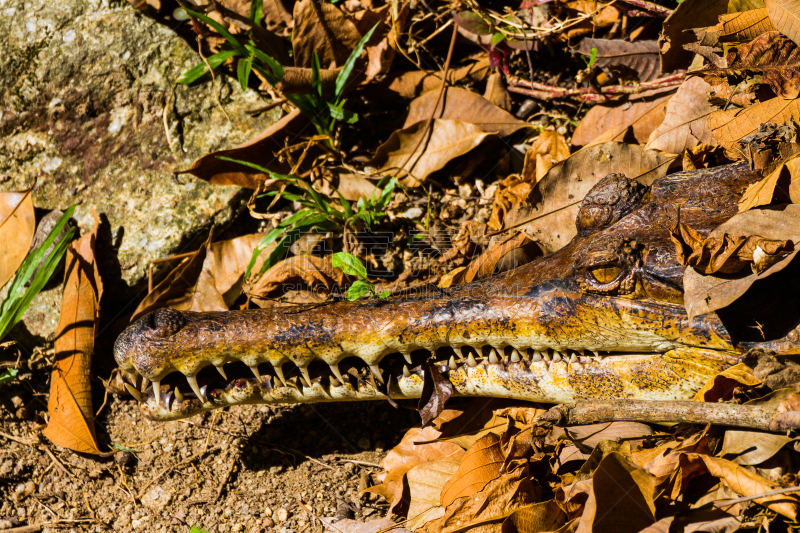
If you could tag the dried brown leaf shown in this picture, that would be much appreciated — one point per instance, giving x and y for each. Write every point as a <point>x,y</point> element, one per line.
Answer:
<point>740,27</point>
<point>621,499</point>
<point>785,16</point>
<point>638,60</point>
<point>485,511</point>
<point>346,525</point>
<point>688,14</point>
<point>324,29</point>
<point>480,465</point>
<point>587,437</point>
<point>553,204</point>
<point>71,422</point>
<point>548,149</point>
<point>544,516</point>
<point>496,93</point>
<point>425,482</point>
<point>773,55</point>
<point>464,106</point>
<point>485,265</point>
<point>444,141</point>
<point>315,272</point>
<point>436,390</point>
<point>408,85</point>
<point>259,150</point>
<point>726,253</point>
<point>644,116</point>
<point>730,126</point>
<point>704,294</point>
<point>721,386</point>
<point>715,521</point>
<point>17,227</point>
<point>298,80</point>
<point>778,183</point>
<point>751,447</point>
<point>685,122</point>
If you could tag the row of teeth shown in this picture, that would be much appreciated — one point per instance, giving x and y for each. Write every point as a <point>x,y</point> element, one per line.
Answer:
<point>516,356</point>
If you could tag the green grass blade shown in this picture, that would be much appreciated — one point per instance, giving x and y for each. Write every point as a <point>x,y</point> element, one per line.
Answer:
<point>197,71</point>
<point>316,83</point>
<point>344,74</point>
<point>348,210</point>
<point>243,71</point>
<point>271,174</point>
<point>256,7</point>
<point>275,67</point>
<point>222,30</point>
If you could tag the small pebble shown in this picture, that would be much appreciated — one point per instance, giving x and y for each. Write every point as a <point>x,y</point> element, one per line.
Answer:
<point>282,515</point>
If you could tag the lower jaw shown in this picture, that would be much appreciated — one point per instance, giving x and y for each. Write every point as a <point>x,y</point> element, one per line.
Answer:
<point>675,375</point>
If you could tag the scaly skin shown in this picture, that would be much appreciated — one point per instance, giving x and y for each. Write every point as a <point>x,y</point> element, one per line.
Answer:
<point>616,288</point>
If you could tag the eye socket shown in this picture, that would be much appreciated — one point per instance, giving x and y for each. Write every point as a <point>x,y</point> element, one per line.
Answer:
<point>606,274</point>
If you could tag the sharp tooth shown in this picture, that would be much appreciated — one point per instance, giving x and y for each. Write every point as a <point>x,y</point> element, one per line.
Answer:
<point>168,400</point>
<point>556,357</point>
<point>255,371</point>
<point>407,357</point>
<point>157,392</point>
<point>133,392</point>
<point>596,353</point>
<point>377,371</point>
<point>536,357</point>
<point>546,356</point>
<point>452,363</point>
<point>562,354</point>
<point>515,356</point>
<point>203,390</point>
<point>178,395</point>
<point>406,372</point>
<point>525,355</point>
<point>222,372</point>
<point>145,383</point>
<point>493,357</point>
<point>573,358</point>
<point>279,373</point>
<point>471,360</point>
<point>193,384</point>
<point>335,371</point>
<point>304,372</point>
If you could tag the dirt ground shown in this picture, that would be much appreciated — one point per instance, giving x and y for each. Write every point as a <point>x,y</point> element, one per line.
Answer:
<point>244,470</point>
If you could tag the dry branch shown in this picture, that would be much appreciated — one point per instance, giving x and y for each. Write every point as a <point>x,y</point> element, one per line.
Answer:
<point>590,94</point>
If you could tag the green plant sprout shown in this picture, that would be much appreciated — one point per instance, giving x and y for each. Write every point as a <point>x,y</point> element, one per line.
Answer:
<point>19,297</point>
<point>352,266</point>
<point>317,213</point>
<point>592,58</point>
<point>323,114</point>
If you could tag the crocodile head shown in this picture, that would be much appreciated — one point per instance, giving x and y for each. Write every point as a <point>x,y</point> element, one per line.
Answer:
<point>601,318</point>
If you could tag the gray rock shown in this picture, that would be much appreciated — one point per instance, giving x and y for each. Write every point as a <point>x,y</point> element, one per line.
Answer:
<point>83,86</point>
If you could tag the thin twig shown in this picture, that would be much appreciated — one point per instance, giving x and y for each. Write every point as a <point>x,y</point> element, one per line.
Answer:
<point>213,78</point>
<point>590,94</point>
<point>776,492</point>
<point>18,440</point>
<point>221,486</point>
<point>429,122</point>
<point>55,460</point>
<point>650,7</point>
<point>165,114</point>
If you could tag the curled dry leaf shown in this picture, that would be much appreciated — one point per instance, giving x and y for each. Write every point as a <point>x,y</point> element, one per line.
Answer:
<point>548,149</point>
<point>71,422</point>
<point>486,264</point>
<point>436,390</point>
<point>324,29</point>
<point>730,126</point>
<point>685,122</point>
<point>740,27</point>
<point>496,92</point>
<point>638,60</point>
<point>785,16</point>
<point>554,202</point>
<point>316,273</point>
<point>688,14</point>
<point>425,482</point>
<point>480,465</point>
<point>644,116</point>
<point>208,280</point>
<point>544,516</point>
<point>408,85</point>
<point>722,386</point>
<point>464,106</point>
<point>726,253</point>
<point>715,521</point>
<point>443,142</point>
<point>17,227</point>
<point>259,150</point>
<point>771,54</point>
<point>703,294</point>
<point>778,183</point>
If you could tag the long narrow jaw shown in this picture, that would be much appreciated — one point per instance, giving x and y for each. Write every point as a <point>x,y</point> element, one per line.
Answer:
<point>539,376</point>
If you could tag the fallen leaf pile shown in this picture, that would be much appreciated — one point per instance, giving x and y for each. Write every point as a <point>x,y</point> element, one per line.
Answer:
<point>442,143</point>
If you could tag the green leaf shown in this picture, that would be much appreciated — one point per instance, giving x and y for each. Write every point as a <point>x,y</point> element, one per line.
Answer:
<point>8,375</point>
<point>255,10</point>
<point>19,298</point>
<point>348,211</point>
<point>384,294</point>
<point>342,114</point>
<point>358,289</point>
<point>243,71</point>
<point>271,174</point>
<point>274,66</point>
<point>197,71</point>
<point>349,264</point>
<point>497,38</point>
<point>591,59</point>
<point>196,529</point>
<point>316,82</point>
<point>222,30</point>
<point>347,68</point>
